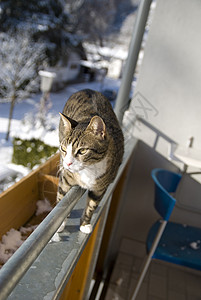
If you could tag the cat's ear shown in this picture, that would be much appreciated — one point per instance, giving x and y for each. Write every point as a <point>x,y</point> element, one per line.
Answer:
<point>97,126</point>
<point>68,122</point>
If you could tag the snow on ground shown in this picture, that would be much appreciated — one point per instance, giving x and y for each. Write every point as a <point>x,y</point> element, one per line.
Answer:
<point>26,111</point>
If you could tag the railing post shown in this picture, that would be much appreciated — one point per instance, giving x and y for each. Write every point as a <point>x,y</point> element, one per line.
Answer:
<point>135,45</point>
<point>156,141</point>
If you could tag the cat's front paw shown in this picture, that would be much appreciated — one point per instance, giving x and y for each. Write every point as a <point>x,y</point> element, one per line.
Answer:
<point>62,226</point>
<point>86,228</point>
<point>55,238</point>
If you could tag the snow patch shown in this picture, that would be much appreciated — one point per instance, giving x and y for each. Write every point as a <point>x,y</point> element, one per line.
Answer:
<point>43,206</point>
<point>13,239</point>
<point>195,245</point>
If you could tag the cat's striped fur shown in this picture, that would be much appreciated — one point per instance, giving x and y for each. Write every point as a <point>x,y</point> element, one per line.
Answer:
<point>91,147</point>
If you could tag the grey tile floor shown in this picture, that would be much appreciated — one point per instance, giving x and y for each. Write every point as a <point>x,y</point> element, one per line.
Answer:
<point>162,281</point>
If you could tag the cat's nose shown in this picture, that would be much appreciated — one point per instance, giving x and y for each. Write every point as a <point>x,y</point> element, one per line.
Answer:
<point>69,164</point>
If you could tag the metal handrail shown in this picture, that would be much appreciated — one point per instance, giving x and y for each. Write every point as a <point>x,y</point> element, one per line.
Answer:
<point>157,131</point>
<point>21,260</point>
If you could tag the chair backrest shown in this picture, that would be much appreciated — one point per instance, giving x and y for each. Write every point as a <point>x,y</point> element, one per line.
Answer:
<point>165,184</point>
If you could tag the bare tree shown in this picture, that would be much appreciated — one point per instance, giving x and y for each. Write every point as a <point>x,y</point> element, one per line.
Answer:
<point>91,18</point>
<point>19,61</point>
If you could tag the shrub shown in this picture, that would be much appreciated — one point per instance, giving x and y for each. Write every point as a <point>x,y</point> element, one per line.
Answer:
<point>31,152</point>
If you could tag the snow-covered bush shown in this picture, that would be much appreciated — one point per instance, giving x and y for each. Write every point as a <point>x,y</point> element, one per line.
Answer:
<point>31,152</point>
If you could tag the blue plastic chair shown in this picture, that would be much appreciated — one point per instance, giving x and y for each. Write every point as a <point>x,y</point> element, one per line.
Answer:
<point>172,242</point>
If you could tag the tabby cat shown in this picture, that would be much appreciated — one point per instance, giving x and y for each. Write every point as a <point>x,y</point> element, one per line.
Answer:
<point>91,148</point>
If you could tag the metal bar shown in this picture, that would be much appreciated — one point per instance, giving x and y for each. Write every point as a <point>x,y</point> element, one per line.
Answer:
<point>21,260</point>
<point>158,132</point>
<point>156,141</point>
<point>185,168</point>
<point>135,45</point>
<point>149,258</point>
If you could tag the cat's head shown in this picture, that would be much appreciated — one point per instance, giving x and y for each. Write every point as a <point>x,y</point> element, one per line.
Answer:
<point>82,145</point>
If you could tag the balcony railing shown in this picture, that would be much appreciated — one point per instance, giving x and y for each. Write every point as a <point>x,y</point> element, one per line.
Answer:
<point>49,266</point>
<point>63,269</point>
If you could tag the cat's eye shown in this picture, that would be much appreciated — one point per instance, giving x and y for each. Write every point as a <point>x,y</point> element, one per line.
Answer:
<point>62,148</point>
<point>82,151</point>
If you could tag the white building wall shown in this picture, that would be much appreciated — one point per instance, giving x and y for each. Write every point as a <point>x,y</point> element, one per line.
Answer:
<point>169,85</point>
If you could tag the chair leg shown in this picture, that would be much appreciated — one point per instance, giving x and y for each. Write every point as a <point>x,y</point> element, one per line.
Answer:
<point>141,278</point>
<point>149,258</point>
